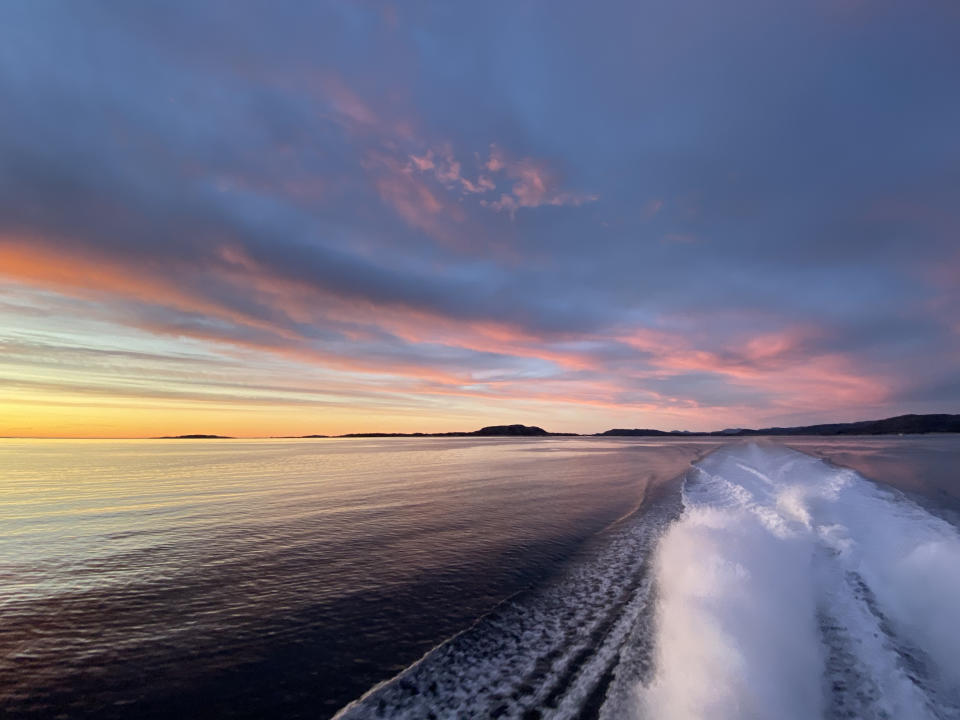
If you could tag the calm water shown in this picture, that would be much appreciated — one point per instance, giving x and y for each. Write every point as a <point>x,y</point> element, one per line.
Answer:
<point>278,578</point>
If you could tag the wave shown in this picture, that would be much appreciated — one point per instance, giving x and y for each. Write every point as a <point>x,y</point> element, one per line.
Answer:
<point>549,652</point>
<point>770,585</point>
<point>791,588</point>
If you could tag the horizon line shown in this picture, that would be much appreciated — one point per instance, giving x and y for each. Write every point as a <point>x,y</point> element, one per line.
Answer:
<point>450,433</point>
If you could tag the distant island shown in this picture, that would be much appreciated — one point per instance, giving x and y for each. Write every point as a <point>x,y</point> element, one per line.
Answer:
<point>489,431</point>
<point>899,425</point>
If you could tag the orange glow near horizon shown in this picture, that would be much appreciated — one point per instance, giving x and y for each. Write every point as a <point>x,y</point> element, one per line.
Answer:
<point>67,372</point>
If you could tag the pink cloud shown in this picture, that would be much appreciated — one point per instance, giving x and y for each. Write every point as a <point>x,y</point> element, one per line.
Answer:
<point>423,162</point>
<point>482,185</point>
<point>358,115</point>
<point>347,103</point>
<point>403,189</point>
<point>532,184</point>
<point>448,172</point>
<point>495,162</point>
<point>412,200</point>
<point>443,165</point>
<point>533,187</point>
<point>784,367</point>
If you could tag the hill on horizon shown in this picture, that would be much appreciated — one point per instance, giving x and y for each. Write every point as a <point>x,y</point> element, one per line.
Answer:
<point>899,425</point>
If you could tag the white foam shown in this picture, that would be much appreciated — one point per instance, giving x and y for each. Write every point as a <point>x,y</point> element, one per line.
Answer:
<point>793,589</point>
<point>545,653</point>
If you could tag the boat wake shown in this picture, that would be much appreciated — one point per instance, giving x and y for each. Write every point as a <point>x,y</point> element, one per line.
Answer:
<point>773,585</point>
<point>790,588</point>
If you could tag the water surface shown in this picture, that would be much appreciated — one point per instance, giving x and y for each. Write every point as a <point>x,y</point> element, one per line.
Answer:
<point>543,578</point>
<point>769,584</point>
<point>282,577</point>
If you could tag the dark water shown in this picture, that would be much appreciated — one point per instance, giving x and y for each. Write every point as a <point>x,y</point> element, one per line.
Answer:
<point>285,578</point>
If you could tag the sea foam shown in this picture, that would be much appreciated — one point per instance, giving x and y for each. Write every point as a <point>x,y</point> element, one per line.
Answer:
<point>790,588</point>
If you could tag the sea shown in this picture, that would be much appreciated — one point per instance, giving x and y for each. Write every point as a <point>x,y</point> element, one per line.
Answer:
<point>564,577</point>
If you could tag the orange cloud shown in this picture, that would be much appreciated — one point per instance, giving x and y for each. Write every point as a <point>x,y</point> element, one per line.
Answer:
<point>783,366</point>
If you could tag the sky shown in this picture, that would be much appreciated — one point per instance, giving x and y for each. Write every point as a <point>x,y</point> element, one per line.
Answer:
<point>262,218</point>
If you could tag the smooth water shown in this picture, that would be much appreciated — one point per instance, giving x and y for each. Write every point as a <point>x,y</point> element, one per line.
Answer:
<point>229,578</point>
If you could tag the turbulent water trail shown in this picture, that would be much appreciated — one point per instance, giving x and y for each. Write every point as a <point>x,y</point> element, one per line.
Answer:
<point>774,585</point>
<point>552,652</point>
<point>790,588</point>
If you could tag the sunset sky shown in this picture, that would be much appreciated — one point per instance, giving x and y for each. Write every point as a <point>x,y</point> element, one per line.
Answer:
<point>289,218</point>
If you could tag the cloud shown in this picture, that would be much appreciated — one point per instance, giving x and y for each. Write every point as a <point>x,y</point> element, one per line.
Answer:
<point>495,161</point>
<point>530,185</point>
<point>348,104</point>
<point>533,186</point>
<point>372,198</point>
<point>424,162</point>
